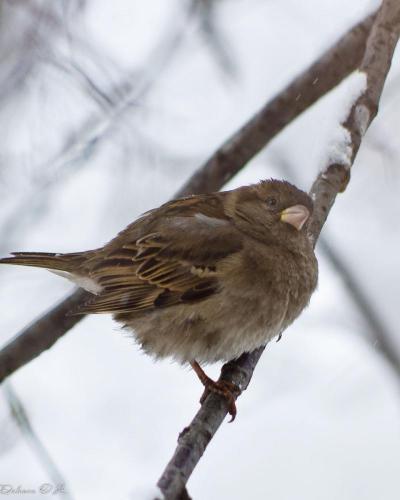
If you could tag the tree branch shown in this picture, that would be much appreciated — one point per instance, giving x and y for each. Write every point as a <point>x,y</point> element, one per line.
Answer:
<point>334,65</point>
<point>334,178</point>
<point>313,83</point>
<point>40,335</point>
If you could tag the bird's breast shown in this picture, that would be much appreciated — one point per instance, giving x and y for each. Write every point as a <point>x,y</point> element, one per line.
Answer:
<point>258,297</point>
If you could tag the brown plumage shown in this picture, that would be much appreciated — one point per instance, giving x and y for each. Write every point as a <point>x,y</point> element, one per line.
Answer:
<point>201,278</point>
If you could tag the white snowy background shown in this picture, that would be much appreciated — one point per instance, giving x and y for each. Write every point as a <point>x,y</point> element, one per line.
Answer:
<point>79,160</point>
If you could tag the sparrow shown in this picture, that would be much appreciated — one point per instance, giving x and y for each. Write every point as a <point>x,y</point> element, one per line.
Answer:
<point>203,278</point>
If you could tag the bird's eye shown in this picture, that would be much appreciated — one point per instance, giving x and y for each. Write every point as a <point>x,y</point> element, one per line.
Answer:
<point>271,201</point>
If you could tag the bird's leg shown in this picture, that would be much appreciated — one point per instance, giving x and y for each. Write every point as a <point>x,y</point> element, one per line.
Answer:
<point>226,389</point>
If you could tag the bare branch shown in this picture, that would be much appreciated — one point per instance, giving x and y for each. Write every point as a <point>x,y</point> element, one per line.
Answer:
<point>40,335</point>
<point>194,439</point>
<point>337,62</point>
<point>375,64</point>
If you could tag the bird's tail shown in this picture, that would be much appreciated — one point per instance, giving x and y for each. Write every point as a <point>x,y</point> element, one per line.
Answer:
<point>68,262</point>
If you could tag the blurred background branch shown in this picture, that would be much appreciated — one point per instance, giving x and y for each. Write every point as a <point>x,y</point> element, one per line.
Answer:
<point>78,149</point>
<point>58,484</point>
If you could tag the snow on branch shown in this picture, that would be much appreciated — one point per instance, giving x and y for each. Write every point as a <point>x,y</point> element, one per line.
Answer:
<point>375,66</point>
<point>332,180</point>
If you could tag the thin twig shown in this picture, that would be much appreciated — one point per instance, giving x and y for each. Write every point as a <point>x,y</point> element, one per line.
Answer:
<point>20,415</point>
<point>334,65</point>
<point>334,178</point>
<point>214,39</point>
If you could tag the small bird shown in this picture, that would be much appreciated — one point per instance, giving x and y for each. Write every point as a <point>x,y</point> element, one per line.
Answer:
<point>203,278</point>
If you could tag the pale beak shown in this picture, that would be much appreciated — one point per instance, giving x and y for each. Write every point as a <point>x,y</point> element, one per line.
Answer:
<point>296,216</point>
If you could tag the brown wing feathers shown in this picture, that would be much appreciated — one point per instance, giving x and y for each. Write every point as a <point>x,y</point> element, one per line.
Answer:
<point>138,277</point>
<point>139,271</point>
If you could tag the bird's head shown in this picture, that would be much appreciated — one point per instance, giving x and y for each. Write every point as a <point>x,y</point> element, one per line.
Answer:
<point>271,210</point>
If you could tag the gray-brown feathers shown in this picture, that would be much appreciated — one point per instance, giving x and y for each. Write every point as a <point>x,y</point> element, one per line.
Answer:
<point>205,277</point>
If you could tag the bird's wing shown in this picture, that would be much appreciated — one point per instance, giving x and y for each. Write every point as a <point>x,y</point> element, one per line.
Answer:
<point>177,260</point>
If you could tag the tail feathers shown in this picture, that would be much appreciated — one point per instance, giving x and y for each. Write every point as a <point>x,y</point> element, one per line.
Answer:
<point>61,262</point>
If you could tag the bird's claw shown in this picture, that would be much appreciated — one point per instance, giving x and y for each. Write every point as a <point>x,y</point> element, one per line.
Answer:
<point>224,388</point>
<point>228,390</point>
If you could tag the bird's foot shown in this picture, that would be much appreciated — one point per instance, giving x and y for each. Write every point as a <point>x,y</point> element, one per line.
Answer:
<point>222,387</point>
